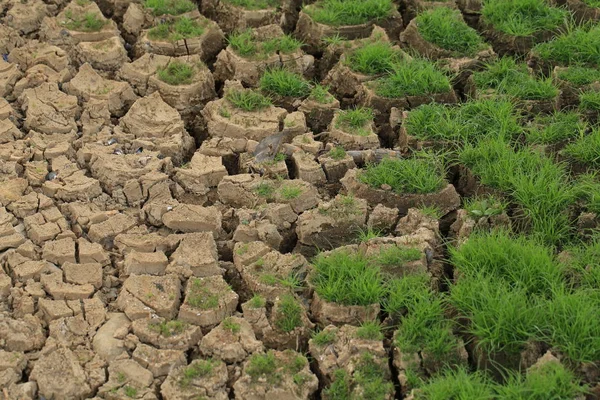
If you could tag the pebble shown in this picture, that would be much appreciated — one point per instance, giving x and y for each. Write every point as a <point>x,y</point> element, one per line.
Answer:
<point>111,141</point>
<point>51,176</point>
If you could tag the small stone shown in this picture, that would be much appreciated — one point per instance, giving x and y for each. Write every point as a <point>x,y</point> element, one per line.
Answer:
<point>51,176</point>
<point>385,186</point>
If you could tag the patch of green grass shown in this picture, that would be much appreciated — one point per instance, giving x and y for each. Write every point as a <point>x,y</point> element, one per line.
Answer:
<point>348,12</point>
<point>589,101</point>
<point>355,121</point>
<point>397,256</point>
<point>592,3</point>
<point>289,315</point>
<point>478,207</point>
<point>320,94</point>
<point>254,4</point>
<point>445,28</point>
<point>402,293</point>
<point>577,46</point>
<point>170,7</point>
<point>583,263</point>
<point>168,328</point>
<point>431,212</point>
<point>340,388</point>
<point>264,189</point>
<point>176,73</point>
<point>231,325</point>
<point>522,17</point>
<point>586,149</point>
<point>548,381</point>
<point>369,331</point>
<point>197,369</point>
<point>417,77</point>
<point>182,28</point>
<point>284,83</point>
<point>257,301</point>
<point>262,365</point>
<point>373,58</point>
<point>508,77</point>
<point>248,100</point>
<point>369,377</point>
<point>410,175</point>
<point>364,235</point>
<point>89,22</point>
<point>456,384</point>
<point>200,297</point>
<point>130,391</point>
<point>555,128</point>
<point>348,279</point>
<point>290,192</point>
<point>587,189</point>
<point>337,153</point>
<point>324,337</point>
<point>244,44</point>
<point>579,76</point>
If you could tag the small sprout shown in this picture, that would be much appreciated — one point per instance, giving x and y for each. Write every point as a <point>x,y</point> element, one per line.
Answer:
<point>130,391</point>
<point>231,326</point>
<point>324,337</point>
<point>198,369</point>
<point>257,301</point>
<point>337,153</point>
<point>121,377</point>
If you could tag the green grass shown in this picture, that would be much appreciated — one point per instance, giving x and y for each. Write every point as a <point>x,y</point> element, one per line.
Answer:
<point>337,153</point>
<point>130,391</point>
<point>171,7</point>
<point>397,256</point>
<point>320,94</point>
<point>404,292</point>
<point>592,3</point>
<point>284,83</point>
<point>168,328</point>
<point>348,12</point>
<point>577,46</point>
<point>248,100</point>
<point>257,301</point>
<point>456,384</point>
<point>356,121</point>
<point>508,77</point>
<point>177,73</point>
<point>587,188</point>
<point>324,337</point>
<point>417,77</point>
<point>586,149</point>
<point>373,58</point>
<point>409,175</point>
<point>200,297</point>
<point>555,128</point>
<point>468,123</point>
<point>589,101</point>
<point>254,4</point>
<point>369,331</point>
<point>182,28</point>
<point>484,206</point>
<point>522,17</point>
<point>231,325</point>
<point>290,192</point>
<point>431,211</point>
<point>583,263</point>
<point>244,44</point>
<point>364,235</point>
<point>366,382</point>
<point>197,369</point>
<point>580,76</point>
<point>340,388</point>
<point>264,189</point>
<point>348,279</point>
<point>445,28</point>
<point>89,22</point>
<point>289,315</point>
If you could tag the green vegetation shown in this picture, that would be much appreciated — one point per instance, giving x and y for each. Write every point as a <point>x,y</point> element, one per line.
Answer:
<point>284,83</point>
<point>522,17</point>
<point>409,175</point>
<point>368,381</point>
<point>586,149</point>
<point>182,28</point>
<point>589,101</point>
<point>257,301</point>
<point>320,94</point>
<point>200,297</point>
<point>262,364</point>
<point>130,391</point>
<point>254,4</point>
<point>467,123</point>
<point>247,99</point>
<point>348,12</point>
<point>244,44</point>
<point>484,207</point>
<point>364,235</point>
<point>576,46</point>
<point>356,121</point>
<point>264,189</point>
<point>168,328</point>
<point>555,128</point>
<point>170,7</point>
<point>369,331</point>
<point>197,369</point>
<point>347,279</point>
<point>417,77</point>
<point>373,58</point>
<point>176,73</point>
<point>289,314</point>
<point>324,337</point>
<point>445,28</point>
<point>231,325</point>
<point>507,77</point>
<point>270,368</point>
<point>579,76</point>
<point>337,153</point>
<point>89,22</point>
<point>290,192</point>
<point>456,384</point>
<point>396,255</point>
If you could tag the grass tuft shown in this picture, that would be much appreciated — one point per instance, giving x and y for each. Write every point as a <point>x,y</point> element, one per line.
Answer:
<point>416,77</point>
<point>231,325</point>
<point>200,297</point>
<point>182,28</point>
<point>176,73</point>
<point>577,46</point>
<point>456,384</point>
<point>522,17</point>
<point>89,22</point>
<point>373,58</point>
<point>197,369</point>
<point>320,94</point>
<point>170,7</point>
<point>254,4</point>
<point>369,331</point>
<point>168,328</point>
<point>355,121</point>
<point>289,315</point>
<point>589,101</point>
<point>586,149</point>
<point>324,337</point>
<point>579,76</point>
<point>284,83</point>
<point>555,128</point>
<point>244,44</point>
<point>337,153</point>
<point>248,100</point>
<point>348,12</point>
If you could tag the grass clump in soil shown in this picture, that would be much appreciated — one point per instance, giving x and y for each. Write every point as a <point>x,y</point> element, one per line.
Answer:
<point>586,149</point>
<point>366,382</point>
<point>369,331</point>
<point>467,123</point>
<point>456,384</point>
<point>324,337</point>
<point>170,7</point>
<point>347,278</point>
<point>589,101</point>
<point>355,121</point>
<point>284,83</point>
<point>176,73</point>
<point>290,192</point>
<point>289,315</point>
<point>522,17</point>
<point>555,128</point>
<point>89,22</point>
<point>416,77</point>
<point>244,44</point>
<point>257,301</point>
<point>168,328</point>
<point>445,28</point>
<point>200,297</point>
<point>198,369</point>
<point>320,94</point>
<point>373,58</point>
<point>337,153</point>
<point>579,76</point>
<point>397,256</point>
<point>484,207</point>
<point>587,188</point>
<point>507,77</point>
<point>578,46</point>
<point>182,28</point>
<point>231,325</point>
<point>254,4</point>
<point>419,175</point>
<point>348,12</point>
<point>248,100</point>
